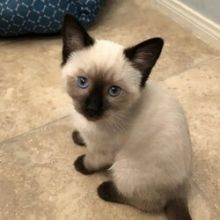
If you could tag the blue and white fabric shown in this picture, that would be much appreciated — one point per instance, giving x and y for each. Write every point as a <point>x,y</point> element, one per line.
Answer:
<point>18,17</point>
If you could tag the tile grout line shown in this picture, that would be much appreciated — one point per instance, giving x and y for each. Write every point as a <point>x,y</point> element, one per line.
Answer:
<point>192,67</point>
<point>206,197</point>
<point>194,182</point>
<point>66,116</point>
<point>201,192</point>
<point>32,130</point>
<point>19,39</point>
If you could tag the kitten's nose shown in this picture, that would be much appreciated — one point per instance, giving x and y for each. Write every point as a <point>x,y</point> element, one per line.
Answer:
<point>92,109</point>
<point>93,106</point>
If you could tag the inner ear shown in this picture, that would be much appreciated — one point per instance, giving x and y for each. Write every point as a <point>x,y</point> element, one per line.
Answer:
<point>75,37</point>
<point>143,56</point>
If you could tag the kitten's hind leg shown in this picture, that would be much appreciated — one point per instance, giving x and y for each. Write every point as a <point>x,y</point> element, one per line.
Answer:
<point>108,192</point>
<point>77,139</point>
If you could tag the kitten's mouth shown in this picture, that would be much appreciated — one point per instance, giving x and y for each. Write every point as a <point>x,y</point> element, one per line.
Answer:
<point>89,118</point>
<point>92,116</point>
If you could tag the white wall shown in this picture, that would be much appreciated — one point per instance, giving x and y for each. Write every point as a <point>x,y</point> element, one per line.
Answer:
<point>208,8</point>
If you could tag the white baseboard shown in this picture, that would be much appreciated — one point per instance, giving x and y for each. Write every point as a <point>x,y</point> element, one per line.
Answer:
<point>201,26</point>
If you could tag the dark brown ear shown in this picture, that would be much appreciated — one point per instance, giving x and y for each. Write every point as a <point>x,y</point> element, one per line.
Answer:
<point>143,56</point>
<point>75,37</point>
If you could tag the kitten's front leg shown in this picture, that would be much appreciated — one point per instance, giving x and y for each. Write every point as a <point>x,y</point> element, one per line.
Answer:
<point>93,162</point>
<point>79,165</point>
<point>77,138</point>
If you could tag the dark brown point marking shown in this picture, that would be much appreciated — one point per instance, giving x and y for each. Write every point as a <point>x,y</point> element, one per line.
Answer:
<point>108,192</point>
<point>77,139</point>
<point>144,56</point>
<point>75,37</point>
<point>80,167</point>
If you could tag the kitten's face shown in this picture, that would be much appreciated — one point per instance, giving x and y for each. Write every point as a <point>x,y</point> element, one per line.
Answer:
<point>101,81</point>
<point>104,79</point>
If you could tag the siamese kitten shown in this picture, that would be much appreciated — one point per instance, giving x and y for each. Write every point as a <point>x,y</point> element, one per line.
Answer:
<point>128,123</point>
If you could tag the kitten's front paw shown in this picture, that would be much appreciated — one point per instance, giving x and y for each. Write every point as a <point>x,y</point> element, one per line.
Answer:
<point>79,166</point>
<point>108,192</point>
<point>77,139</point>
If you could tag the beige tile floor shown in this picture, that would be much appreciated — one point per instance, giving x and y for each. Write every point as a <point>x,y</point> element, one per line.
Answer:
<point>37,180</point>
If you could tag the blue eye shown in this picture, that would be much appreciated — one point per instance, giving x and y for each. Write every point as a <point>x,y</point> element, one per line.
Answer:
<point>114,91</point>
<point>82,82</point>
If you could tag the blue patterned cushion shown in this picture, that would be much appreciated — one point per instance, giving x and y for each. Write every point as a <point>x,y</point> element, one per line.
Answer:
<point>19,17</point>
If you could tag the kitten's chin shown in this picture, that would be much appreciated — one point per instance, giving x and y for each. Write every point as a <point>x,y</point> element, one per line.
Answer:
<point>91,118</point>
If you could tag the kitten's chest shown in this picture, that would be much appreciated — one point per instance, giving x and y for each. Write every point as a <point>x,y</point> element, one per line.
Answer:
<point>103,140</point>
<point>97,137</point>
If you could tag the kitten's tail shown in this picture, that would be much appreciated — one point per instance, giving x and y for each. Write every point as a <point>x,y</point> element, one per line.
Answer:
<point>177,209</point>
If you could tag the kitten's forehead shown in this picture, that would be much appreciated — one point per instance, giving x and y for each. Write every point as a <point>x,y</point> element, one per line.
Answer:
<point>104,60</point>
<point>99,58</point>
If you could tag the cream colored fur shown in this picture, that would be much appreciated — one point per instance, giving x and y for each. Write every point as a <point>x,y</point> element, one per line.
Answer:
<point>148,144</point>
